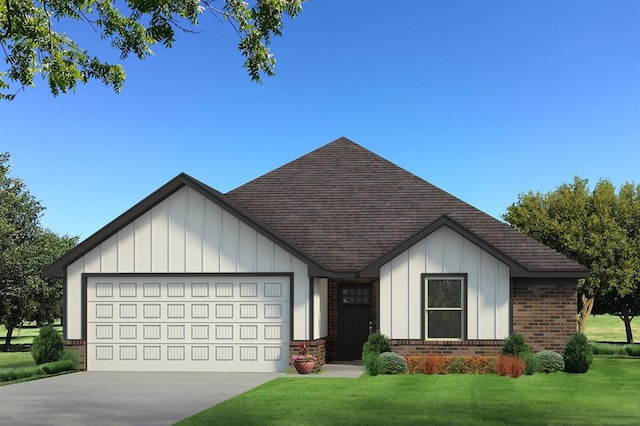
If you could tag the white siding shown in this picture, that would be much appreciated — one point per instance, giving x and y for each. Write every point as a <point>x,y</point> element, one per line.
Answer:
<point>444,251</point>
<point>320,308</point>
<point>188,233</point>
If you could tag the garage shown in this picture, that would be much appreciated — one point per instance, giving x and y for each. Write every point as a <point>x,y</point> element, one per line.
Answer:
<point>178,322</point>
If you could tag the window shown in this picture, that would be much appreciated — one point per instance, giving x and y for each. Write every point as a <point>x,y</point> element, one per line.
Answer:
<point>445,301</point>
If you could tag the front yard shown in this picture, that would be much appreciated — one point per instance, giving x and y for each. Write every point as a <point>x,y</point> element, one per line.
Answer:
<point>607,394</point>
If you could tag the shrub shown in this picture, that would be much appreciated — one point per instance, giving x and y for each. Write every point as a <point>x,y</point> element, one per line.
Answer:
<point>435,364</point>
<point>72,355</point>
<point>47,346</point>
<point>479,364</point>
<point>392,363</point>
<point>509,365</point>
<point>414,363</point>
<point>7,375</point>
<point>56,367</point>
<point>456,364</point>
<point>607,349</point>
<point>531,363</point>
<point>577,354</point>
<point>377,344</point>
<point>550,362</point>
<point>515,345</point>
<point>632,350</point>
<point>372,363</point>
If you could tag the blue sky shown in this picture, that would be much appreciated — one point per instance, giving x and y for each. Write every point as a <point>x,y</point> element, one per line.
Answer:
<point>485,99</point>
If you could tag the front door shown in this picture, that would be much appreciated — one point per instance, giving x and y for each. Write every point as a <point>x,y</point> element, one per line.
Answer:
<point>354,319</point>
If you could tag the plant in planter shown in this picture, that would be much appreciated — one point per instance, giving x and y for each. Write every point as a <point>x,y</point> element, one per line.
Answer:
<point>303,362</point>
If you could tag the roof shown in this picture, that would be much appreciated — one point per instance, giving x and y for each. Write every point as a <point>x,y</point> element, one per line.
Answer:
<point>346,211</point>
<point>351,210</point>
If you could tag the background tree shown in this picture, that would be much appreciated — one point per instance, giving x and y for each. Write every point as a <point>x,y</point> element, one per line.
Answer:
<point>599,229</point>
<point>33,43</point>
<point>25,248</point>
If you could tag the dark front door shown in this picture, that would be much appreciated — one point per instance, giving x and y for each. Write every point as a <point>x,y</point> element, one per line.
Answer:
<point>354,319</point>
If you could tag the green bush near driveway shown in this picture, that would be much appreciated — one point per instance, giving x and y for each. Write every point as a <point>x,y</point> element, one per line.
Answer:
<point>607,394</point>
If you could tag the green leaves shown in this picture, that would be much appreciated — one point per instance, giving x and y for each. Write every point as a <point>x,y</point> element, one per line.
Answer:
<point>598,228</point>
<point>32,46</point>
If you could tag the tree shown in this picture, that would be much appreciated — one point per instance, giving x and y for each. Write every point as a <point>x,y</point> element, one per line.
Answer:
<point>625,307</point>
<point>33,41</point>
<point>599,229</point>
<point>25,248</point>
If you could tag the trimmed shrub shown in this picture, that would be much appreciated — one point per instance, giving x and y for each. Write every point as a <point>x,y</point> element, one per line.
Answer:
<point>376,344</point>
<point>550,362</point>
<point>509,365</point>
<point>392,363</point>
<point>414,363</point>
<point>58,366</point>
<point>456,364</point>
<point>479,364</point>
<point>372,363</point>
<point>515,345</point>
<point>435,364</point>
<point>577,354</point>
<point>7,375</point>
<point>632,350</point>
<point>47,346</point>
<point>607,349</point>
<point>531,363</point>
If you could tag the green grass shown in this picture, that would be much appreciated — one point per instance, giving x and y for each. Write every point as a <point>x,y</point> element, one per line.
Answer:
<point>607,394</point>
<point>16,360</point>
<point>610,328</point>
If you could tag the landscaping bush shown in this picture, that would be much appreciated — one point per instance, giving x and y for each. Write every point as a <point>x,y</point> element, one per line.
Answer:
<point>531,363</point>
<point>577,354</point>
<point>7,375</point>
<point>414,363</point>
<point>377,344</point>
<point>47,346</point>
<point>516,345</point>
<point>632,350</point>
<point>71,355</point>
<point>550,362</point>
<point>510,365</point>
<point>56,367</point>
<point>392,363</point>
<point>607,349</point>
<point>456,364</point>
<point>372,363</point>
<point>435,364</point>
<point>479,364</point>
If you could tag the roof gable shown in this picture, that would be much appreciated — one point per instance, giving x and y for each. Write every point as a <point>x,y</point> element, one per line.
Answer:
<point>58,268</point>
<point>349,208</point>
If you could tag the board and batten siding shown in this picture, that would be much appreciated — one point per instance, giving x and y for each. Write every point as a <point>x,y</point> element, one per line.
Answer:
<point>445,251</point>
<point>320,308</point>
<point>187,233</point>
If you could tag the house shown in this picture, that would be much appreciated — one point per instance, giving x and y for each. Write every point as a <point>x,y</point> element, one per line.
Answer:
<point>322,250</point>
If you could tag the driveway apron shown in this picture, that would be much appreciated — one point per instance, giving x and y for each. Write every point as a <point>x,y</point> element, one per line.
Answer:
<point>118,398</point>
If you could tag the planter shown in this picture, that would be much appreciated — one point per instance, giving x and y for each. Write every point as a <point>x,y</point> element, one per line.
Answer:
<point>304,367</point>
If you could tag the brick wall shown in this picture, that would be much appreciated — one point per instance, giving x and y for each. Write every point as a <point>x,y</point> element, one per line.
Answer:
<point>447,347</point>
<point>544,312</point>
<point>80,346</point>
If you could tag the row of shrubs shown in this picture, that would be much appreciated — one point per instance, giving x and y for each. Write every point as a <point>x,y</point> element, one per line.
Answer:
<point>69,363</point>
<point>48,353</point>
<point>516,359</point>
<point>618,350</point>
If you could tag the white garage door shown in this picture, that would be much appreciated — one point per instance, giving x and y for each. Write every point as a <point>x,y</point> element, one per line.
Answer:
<point>188,323</point>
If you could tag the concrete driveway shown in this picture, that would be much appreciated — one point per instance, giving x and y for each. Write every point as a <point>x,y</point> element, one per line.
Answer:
<point>114,398</point>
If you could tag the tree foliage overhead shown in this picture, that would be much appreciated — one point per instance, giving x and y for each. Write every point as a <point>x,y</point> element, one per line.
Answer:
<point>26,248</point>
<point>32,40</point>
<point>599,228</point>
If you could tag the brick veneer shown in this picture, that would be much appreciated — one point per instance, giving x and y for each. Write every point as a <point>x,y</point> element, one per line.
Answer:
<point>544,312</point>
<point>80,346</point>
<point>447,347</point>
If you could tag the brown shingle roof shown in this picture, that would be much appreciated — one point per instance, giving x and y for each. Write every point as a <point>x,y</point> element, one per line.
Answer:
<point>348,209</point>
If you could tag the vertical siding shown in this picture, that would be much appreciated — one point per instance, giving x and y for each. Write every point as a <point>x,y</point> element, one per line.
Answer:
<point>445,251</point>
<point>188,233</point>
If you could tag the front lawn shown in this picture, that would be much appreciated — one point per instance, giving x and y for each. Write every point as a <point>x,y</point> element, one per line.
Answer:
<point>607,394</point>
<point>16,360</point>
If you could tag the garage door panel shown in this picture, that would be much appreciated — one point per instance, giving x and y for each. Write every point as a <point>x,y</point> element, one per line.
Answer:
<point>190,324</point>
